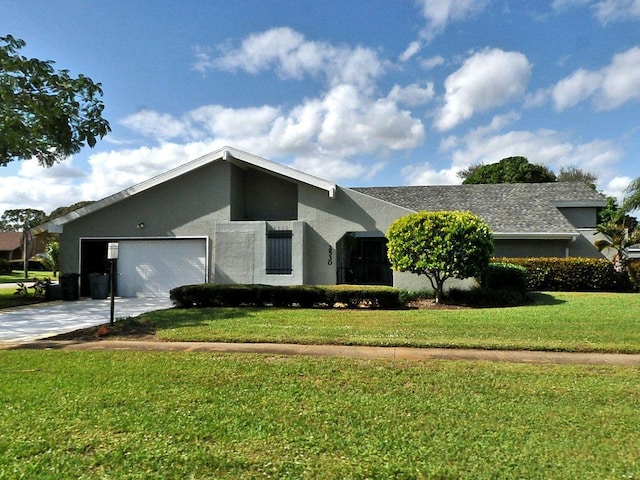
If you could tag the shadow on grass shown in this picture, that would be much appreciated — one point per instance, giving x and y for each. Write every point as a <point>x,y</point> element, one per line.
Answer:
<point>539,299</point>
<point>193,317</point>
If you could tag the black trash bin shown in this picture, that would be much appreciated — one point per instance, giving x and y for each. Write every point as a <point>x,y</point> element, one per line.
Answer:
<point>98,285</point>
<point>70,286</point>
<point>52,291</point>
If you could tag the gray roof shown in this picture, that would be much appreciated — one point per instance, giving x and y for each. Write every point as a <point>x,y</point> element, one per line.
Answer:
<point>507,208</point>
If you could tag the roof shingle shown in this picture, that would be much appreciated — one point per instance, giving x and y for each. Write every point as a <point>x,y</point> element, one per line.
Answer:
<point>507,208</point>
<point>9,241</point>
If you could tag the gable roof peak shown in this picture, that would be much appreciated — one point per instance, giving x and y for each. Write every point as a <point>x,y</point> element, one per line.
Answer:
<point>225,154</point>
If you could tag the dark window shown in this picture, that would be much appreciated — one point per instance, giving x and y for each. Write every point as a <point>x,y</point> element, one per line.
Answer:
<point>279,252</point>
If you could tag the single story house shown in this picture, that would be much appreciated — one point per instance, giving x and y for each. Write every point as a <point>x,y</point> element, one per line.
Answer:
<point>11,245</point>
<point>233,217</point>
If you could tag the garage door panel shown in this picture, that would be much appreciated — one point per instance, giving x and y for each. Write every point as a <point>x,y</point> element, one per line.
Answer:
<point>151,268</point>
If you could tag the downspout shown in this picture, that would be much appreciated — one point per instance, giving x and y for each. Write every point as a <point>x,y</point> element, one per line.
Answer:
<point>567,252</point>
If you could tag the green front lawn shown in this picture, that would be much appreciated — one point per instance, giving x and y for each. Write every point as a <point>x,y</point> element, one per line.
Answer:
<point>130,415</point>
<point>8,298</point>
<point>585,322</point>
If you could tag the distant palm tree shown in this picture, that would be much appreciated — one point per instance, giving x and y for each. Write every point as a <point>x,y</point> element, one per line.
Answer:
<point>632,200</point>
<point>617,237</point>
<point>51,257</point>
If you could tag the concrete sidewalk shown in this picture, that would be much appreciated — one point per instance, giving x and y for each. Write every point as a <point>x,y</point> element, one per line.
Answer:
<point>391,353</point>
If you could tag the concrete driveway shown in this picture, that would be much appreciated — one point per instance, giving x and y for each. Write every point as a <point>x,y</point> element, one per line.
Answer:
<point>25,324</point>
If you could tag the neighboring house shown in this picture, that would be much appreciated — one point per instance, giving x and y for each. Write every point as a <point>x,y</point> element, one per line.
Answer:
<point>233,217</point>
<point>11,245</point>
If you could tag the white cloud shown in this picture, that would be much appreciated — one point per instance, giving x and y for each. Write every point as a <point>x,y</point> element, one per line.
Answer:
<point>440,13</point>
<point>293,57</point>
<point>544,146</point>
<point>606,11</point>
<point>487,79</point>
<point>204,61</point>
<point>216,120</point>
<point>616,10</point>
<point>499,122</point>
<point>565,4</point>
<point>295,133</point>
<point>575,88</point>
<point>609,87</point>
<point>412,95</point>
<point>323,136</point>
<point>113,171</point>
<point>425,174</point>
<point>537,98</point>
<point>616,187</point>
<point>621,81</point>
<point>410,51</point>
<point>160,126</point>
<point>432,62</point>
<point>541,146</point>
<point>332,168</point>
<point>354,124</point>
<point>33,186</point>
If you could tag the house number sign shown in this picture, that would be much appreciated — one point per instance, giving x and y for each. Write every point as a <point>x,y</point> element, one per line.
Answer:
<point>330,261</point>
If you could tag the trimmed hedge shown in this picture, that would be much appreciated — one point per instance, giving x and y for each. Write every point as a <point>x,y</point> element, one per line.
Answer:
<point>351,296</point>
<point>634,273</point>
<point>5,267</point>
<point>34,265</point>
<point>571,274</point>
<point>504,276</point>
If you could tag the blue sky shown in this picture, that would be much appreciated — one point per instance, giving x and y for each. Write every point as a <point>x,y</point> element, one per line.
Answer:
<point>374,92</point>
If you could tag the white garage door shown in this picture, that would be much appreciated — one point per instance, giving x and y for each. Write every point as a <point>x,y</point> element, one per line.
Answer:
<point>151,268</point>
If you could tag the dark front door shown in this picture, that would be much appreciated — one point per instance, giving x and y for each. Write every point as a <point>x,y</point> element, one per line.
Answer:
<point>366,262</point>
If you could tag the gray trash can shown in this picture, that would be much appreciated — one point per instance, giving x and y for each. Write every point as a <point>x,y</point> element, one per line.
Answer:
<point>99,285</point>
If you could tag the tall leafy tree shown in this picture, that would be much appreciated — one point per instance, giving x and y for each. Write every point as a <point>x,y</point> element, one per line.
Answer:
<point>15,220</point>
<point>574,174</point>
<point>440,245</point>
<point>45,113</point>
<point>507,170</point>
<point>60,211</point>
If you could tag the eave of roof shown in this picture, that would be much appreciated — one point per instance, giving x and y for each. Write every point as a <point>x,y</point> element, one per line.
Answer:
<point>228,154</point>
<point>536,235</point>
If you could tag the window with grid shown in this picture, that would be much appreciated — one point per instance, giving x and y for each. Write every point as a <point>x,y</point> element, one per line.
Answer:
<point>279,252</point>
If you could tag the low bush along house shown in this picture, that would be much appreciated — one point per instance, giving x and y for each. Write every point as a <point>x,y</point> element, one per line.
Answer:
<point>233,217</point>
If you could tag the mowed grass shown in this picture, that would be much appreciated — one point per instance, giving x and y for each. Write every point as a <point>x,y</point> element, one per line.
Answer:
<point>135,415</point>
<point>575,322</point>
<point>18,276</point>
<point>9,299</point>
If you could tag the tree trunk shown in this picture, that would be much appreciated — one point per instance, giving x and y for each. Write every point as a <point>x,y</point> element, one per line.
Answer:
<point>27,244</point>
<point>439,290</point>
